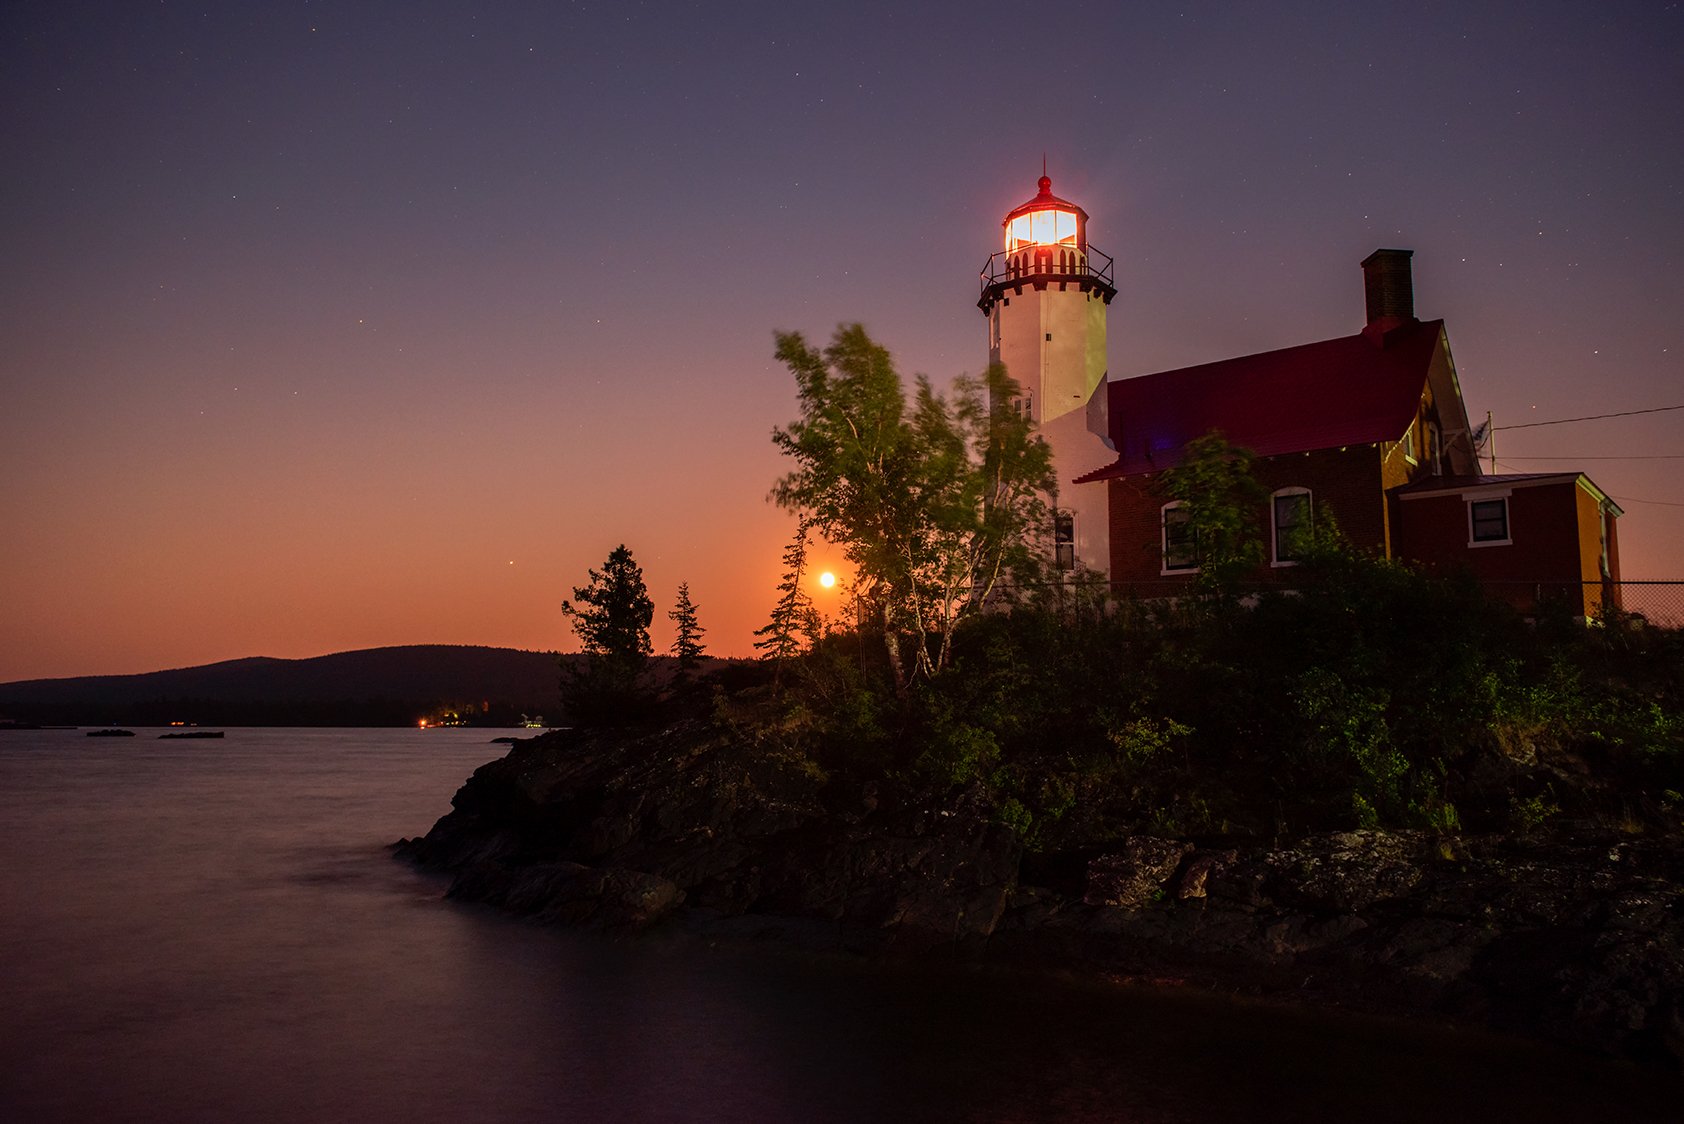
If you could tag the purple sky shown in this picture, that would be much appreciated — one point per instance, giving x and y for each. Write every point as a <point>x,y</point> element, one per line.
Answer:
<point>326,326</point>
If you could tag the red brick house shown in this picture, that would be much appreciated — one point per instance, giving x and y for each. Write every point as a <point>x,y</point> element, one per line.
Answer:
<point>1369,427</point>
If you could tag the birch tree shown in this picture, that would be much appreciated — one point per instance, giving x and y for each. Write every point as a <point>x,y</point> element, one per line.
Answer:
<point>934,506</point>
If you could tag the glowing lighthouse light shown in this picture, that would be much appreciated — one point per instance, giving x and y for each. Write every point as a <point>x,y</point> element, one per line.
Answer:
<point>1041,228</point>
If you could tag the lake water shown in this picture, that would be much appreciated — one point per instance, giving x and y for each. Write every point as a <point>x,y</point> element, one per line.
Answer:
<point>213,931</point>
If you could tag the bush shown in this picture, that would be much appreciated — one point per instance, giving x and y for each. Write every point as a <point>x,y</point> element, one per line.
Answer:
<point>1369,697</point>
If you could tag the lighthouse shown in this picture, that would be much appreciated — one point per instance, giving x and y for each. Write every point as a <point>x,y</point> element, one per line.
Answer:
<point>1045,294</point>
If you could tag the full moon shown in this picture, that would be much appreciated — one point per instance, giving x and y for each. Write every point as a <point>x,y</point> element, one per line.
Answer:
<point>827,579</point>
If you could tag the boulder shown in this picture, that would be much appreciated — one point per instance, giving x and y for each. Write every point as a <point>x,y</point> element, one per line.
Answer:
<point>1137,875</point>
<point>571,893</point>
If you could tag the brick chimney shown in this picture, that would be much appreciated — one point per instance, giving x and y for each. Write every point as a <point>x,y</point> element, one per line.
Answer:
<point>1390,291</point>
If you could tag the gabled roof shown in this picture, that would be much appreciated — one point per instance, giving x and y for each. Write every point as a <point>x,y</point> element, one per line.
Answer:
<point>1353,390</point>
<point>1450,485</point>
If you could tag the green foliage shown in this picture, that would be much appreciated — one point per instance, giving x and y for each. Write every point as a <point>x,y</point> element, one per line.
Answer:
<point>931,506</point>
<point>957,753</point>
<point>1367,815</point>
<point>1142,740</point>
<point>687,646</point>
<point>1441,818</point>
<point>610,614</point>
<point>1371,695</point>
<point>1014,815</point>
<point>1346,732</point>
<point>1528,814</point>
<point>1217,489</point>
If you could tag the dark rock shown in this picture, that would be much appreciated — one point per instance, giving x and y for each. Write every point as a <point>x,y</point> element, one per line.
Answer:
<point>1137,875</point>
<point>1194,878</point>
<point>1350,870</point>
<point>1579,937</point>
<point>570,893</point>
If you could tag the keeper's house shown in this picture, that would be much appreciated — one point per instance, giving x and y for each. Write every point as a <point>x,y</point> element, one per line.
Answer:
<point>1371,428</point>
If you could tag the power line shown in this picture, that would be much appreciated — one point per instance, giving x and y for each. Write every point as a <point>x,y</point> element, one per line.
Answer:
<point>1654,457</point>
<point>1592,417</point>
<point>1657,503</point>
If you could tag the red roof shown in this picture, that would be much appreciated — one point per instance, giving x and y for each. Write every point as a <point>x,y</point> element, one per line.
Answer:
<point>1354,390</point>
<point>1043,201</point>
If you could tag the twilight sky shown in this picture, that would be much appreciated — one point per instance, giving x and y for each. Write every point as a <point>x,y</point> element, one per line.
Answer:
<point>334,325</point>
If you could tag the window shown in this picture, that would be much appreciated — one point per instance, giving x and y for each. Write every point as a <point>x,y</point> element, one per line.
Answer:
<point>1064,540</point>
<point>1041,228</point>
<point>1408,443</point>
<point>1435,448</point>
<point>1181,544</point>
<point>1488,522</point>
<point>1291,512</point>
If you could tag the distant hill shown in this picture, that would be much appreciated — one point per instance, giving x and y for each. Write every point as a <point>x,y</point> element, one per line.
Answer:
<point>373,687</point>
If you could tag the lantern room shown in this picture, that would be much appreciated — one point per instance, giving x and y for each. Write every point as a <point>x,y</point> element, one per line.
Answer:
<point>1046,220</point>
<point>1046,242</point>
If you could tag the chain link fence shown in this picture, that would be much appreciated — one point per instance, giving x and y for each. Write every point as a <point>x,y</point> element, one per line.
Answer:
<point>1659,603</point>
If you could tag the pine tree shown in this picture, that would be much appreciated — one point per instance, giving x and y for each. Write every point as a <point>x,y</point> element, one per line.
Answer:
<point>686,646</point>
<point>794,612</point>
<point>610,615</point>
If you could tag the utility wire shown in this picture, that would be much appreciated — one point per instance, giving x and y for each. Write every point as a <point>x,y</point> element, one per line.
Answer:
<point>1657,503</point>
<point>1623,499</point>
<point>1592,417</point>
<point>1655,457</point>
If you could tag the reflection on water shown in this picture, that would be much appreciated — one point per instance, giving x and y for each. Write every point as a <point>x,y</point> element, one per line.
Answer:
<point>213,931</point>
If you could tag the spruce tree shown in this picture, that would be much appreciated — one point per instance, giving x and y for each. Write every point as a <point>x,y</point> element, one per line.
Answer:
<point>686,646</point>
<point>611,615</point>
<point>794,612</point>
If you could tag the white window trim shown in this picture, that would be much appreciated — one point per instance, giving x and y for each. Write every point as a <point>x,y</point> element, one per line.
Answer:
<point>1274,532</point>
<point>1070,514</point>
<point>1408,443</point>
<point>1508,520</point>
<point>1163,544</point>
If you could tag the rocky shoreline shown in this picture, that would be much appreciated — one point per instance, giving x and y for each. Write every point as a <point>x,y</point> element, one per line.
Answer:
<point>1577,937</point>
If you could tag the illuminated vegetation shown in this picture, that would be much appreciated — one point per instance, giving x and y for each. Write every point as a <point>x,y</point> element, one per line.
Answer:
<point>1374,696</point>
<point>1370,695</point>
<point>935,507</point>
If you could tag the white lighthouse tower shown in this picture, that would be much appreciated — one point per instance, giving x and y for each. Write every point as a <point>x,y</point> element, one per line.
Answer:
<point>1044,295</point>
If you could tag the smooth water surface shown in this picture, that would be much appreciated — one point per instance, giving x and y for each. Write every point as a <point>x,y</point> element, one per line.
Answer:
<point>213,930</point>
